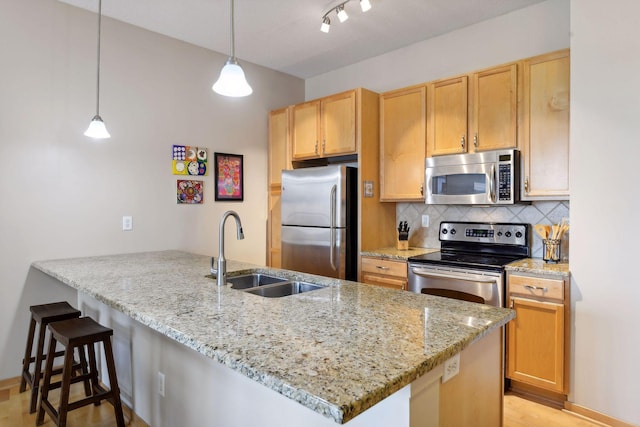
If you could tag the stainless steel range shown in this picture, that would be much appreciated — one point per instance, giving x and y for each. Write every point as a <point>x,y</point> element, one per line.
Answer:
<point>471,260</point>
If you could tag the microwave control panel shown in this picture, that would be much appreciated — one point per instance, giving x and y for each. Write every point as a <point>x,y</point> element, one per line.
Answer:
<point>504,181</point>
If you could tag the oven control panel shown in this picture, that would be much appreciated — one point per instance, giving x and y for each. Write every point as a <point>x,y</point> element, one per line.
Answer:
<point>482,232</point>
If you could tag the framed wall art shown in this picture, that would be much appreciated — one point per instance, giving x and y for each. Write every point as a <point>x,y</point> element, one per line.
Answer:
<point>229,180</point>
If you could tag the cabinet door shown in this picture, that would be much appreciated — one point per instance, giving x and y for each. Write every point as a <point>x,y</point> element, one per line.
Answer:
<point>278,144</point>
<point>545,127</point>
<point>447,126</point>
<point>402,144</point>
<point>494,121</point>
<point>536,344</point>
<point>274,230</point>
<point>338,124</point>
<point>306,128</point>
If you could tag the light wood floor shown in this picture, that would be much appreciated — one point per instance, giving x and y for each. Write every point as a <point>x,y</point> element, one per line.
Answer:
<point>14,412</point>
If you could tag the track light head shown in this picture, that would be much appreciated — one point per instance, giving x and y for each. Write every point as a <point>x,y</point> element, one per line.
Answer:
<point>342,14</point>
<point>326,25</point>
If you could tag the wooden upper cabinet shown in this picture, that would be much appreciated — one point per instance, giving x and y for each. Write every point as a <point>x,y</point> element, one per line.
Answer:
<point>338,124</point>
<point>544,136</point>
<point>306,130</point>
<point>447,126</point>
<point>493,122</point>
<point>475,112</point>
<point>325,127</point>
<point>279,158</point>
<point>402,144</point>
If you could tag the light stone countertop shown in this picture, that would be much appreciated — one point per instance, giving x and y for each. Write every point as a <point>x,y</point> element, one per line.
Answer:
<point>397,254</point>
<point>540,267</point>
<point>323,360</point>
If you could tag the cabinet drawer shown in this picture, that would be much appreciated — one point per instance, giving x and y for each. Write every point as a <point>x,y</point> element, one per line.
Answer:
<point>384,266</point>
<point>536,286</point>
<point>385,281</point>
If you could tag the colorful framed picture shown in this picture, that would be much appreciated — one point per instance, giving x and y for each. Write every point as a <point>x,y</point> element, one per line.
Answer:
<point>189,192</point>
<point>229,177</point>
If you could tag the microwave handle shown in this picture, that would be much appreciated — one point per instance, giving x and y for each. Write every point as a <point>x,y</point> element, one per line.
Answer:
<point>492,184</point>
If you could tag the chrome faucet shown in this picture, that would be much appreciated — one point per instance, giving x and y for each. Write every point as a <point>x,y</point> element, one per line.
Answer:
<point>221,270</point>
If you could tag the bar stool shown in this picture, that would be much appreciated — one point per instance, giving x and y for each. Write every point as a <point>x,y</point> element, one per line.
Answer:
<point>43,315</point>
<point>80,333</point>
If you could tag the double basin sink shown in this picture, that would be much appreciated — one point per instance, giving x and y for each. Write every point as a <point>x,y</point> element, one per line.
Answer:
<point>270,286</point>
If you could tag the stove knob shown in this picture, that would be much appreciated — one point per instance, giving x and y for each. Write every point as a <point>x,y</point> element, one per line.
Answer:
<point>444,231</point>
<point>518,234</point>
<point>453,231</point>
<point>499,233</point>
<point>507,234</point>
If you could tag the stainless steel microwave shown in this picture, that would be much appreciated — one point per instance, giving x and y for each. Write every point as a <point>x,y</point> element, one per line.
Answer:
<point>485,178</point>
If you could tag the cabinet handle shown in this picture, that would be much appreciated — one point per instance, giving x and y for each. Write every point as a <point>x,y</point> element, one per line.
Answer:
<point>526,185</point>
<point>536,288</point>
<point>323,144</point>
<point>511,305</point>
<point>422,189</point>
<point>475,141</point>
<point>379,267</point>
<point>462,142</point>
<point>316,148</point>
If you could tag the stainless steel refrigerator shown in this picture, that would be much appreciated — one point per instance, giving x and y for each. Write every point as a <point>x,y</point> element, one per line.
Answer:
<point>319,217</point>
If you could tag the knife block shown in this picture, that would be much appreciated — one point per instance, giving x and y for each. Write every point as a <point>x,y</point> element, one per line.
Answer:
<point>402,245</point>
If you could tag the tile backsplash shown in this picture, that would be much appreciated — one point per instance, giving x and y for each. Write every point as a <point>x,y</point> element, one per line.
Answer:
<point>550,212</point>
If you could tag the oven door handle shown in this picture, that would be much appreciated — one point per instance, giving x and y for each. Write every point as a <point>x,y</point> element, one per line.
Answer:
<point>424,272</point>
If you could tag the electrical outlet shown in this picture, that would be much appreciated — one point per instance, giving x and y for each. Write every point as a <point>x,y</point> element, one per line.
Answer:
<point>161,384</point>
<point>425,220</point>
<point>127,223</point>
<point>451,368</point>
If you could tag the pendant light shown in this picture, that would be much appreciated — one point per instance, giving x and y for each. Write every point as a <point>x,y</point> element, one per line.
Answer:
<point>232,81</point>
<point>97,128</point>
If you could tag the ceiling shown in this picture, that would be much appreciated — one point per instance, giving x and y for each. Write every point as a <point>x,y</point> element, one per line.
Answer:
<point>285,35</point>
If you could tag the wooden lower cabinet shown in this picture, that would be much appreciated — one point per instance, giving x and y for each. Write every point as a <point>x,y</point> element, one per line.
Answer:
<point>537,339</point>
<point>384,272</point>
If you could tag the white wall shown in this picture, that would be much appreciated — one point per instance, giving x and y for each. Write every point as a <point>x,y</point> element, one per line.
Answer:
<point>605,200</point>
<point>538,29</point>
<point>64,195</point>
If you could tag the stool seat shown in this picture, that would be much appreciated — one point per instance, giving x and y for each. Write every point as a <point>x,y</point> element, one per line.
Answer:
<point>80,334</point>
<point>42,315</point>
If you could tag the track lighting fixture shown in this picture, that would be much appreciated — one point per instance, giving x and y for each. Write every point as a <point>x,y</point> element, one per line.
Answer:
<point>365,5</point>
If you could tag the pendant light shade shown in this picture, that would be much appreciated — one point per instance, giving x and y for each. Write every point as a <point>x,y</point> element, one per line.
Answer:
<point>232,81</point>
<point>97,129</point>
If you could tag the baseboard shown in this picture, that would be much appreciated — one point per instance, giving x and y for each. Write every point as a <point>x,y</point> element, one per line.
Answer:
<point>9,382</point>
<point>595,415</point>
<point>538,395</point>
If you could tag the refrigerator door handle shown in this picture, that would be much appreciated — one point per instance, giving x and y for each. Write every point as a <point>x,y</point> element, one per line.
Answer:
<point>332,225</point>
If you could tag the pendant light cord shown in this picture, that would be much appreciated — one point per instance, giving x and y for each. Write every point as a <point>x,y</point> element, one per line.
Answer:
<point>98,76</point>
<point>233,44</point>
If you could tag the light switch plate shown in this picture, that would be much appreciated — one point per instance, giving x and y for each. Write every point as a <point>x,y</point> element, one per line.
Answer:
<point>425,220</point>
<point>368,189</point>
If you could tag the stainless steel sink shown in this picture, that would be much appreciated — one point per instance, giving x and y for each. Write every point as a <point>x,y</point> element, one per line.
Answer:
<point>247,281</point>
<point>283,289</point>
